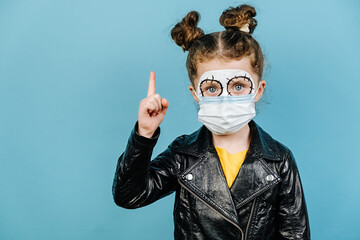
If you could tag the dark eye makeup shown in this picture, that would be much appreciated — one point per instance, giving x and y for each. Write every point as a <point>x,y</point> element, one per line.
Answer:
<point>211,85</point>
<point>210,81</point>
<point>246,78</point>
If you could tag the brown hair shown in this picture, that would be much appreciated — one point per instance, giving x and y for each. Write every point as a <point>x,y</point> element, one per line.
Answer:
<point>233,43</point>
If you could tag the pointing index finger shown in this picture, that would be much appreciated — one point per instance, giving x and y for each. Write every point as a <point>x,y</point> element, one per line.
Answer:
<point>152,84</point>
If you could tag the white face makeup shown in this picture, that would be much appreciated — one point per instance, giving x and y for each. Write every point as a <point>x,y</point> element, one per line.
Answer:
<point>225,82</point>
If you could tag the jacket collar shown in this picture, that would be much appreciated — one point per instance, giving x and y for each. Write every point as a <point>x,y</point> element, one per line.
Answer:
<point>261,144</point>
<point>206,180</point>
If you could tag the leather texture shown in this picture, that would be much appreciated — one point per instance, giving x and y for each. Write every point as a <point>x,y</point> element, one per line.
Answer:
<point>266,200</point>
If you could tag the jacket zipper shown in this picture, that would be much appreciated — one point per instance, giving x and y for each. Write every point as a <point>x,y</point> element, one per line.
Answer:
<point>227,219</point>
<point>250,217</point>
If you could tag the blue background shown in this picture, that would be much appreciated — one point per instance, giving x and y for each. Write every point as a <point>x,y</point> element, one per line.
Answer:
<point>72,74</point>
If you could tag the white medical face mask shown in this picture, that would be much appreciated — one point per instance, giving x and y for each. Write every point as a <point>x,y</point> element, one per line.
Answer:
<point>226,99</point>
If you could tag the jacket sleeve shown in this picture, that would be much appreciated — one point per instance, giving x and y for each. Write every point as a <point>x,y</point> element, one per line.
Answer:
<point>139,181</point>
<point>292,218</point>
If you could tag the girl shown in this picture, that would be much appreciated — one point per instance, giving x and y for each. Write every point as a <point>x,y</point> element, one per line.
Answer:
<point>232,179</point>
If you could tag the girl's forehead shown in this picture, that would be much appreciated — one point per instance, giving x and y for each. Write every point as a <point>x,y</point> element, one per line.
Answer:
<point>225,74</point>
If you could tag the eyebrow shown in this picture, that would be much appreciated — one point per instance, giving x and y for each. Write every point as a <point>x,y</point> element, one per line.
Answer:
<point>207,78</point>
<point>244,76</point>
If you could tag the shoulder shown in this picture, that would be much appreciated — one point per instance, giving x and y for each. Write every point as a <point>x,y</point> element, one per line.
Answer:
<point>264,145</point>
<point>184,140</point>
<point>195,144</point>
<point>277,151</point>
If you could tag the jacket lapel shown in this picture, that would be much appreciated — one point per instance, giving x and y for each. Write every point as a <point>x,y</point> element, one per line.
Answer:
<point>255,175</point>
<point>205,178</point>
<point>254,178</point>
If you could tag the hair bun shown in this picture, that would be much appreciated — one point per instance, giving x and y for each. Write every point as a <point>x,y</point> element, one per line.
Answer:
<point>239,18</point>
<point>186,31</point>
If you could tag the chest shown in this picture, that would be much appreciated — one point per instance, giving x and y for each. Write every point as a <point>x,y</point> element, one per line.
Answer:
<point>204,197</point>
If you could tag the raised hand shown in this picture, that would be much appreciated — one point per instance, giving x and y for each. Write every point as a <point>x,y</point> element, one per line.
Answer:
<point>152,110</point>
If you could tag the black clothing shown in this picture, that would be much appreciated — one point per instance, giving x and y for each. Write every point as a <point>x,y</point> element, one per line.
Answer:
<point>266,200</point>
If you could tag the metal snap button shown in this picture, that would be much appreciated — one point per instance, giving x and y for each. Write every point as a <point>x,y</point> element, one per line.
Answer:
<point>270,178</point>
<point>189,177</point>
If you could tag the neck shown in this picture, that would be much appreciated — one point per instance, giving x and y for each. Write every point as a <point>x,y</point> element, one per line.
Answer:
<point>235,142</point>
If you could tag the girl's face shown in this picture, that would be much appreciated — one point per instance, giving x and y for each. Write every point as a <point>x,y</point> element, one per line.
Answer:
<point>218,64</point>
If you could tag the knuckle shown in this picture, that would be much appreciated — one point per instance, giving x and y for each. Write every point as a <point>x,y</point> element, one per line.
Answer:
<point>155,101</point>
<point>151,101</point>
<point>148,105</point>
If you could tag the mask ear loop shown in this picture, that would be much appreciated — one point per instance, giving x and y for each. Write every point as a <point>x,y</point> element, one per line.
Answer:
<point>256,92</point>
<point>198,92</point>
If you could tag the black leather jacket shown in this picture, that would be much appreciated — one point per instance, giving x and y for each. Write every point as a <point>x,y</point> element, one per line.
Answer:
<point>266,200</point>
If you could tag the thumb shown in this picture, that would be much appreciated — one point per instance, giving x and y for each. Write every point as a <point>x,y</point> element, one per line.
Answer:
<point>165,105</point>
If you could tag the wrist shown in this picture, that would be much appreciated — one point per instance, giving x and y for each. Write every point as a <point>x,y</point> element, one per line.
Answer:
<point>144,142</point>
<point>144,133</point>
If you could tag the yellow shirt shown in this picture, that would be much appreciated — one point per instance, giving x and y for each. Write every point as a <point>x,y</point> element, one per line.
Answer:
<point>230,163</point>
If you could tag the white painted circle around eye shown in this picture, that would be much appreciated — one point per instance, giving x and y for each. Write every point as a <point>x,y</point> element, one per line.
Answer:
<point>222,76</point>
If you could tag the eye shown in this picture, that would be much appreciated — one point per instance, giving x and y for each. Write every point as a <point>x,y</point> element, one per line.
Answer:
<point>212,90</point>
<point>238,87</point>
<point>210,87</point>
